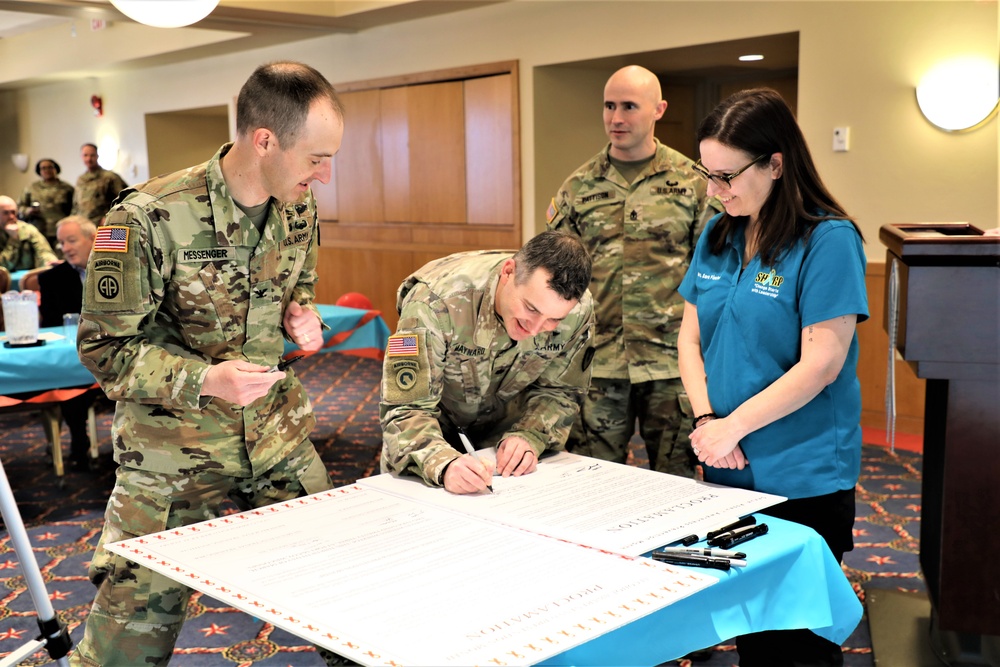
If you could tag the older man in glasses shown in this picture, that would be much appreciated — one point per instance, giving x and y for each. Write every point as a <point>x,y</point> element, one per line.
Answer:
<point>639,207</point>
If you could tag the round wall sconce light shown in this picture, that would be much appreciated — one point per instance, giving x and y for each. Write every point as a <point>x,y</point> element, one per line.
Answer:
<point>20,161</point>
<point>107,152</point>
<point>960,95</point>
<point>165,13</point>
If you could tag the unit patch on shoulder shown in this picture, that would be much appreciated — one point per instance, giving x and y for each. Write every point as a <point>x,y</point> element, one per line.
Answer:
<point>111,239</point>
<point>406,375</point>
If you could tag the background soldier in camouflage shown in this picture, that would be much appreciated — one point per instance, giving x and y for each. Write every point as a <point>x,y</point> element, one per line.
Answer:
<point>189,289</point>
<point>96,188</point>
<point>46,201</point>
<point>639,208</point>
<point>22,246</point>
<point>496,344</point>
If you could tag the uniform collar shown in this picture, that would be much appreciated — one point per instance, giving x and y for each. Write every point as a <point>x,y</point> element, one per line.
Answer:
<point>488,324</point>
<point>662,161</point>
<point>232,226</point>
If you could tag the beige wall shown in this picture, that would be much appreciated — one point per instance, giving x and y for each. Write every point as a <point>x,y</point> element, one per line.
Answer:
<point>859,62</point>
<point>566,135</point>
<point>176,139</point>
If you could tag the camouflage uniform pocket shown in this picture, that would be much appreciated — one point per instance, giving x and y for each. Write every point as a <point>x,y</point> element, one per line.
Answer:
<point>520,376</point>
<point>123,586</point>
<point>206,316</point>
<point>314,477</point>
<point>289,271</point>
<point>470,381</point>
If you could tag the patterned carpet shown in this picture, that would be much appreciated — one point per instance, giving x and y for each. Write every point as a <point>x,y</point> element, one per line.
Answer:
<point>64,523</point>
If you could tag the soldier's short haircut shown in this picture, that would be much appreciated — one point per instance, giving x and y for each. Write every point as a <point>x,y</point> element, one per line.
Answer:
<point>563,256</point>
<point>278,95</point>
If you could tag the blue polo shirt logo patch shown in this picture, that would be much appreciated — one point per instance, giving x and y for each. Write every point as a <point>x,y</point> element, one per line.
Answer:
<point>767,284</point>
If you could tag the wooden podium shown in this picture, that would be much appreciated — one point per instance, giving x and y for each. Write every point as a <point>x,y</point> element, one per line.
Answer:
<point>948,314</point>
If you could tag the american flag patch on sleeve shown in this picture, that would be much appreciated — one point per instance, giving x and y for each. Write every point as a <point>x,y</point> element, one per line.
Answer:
<point>111,239</point>
<point>402,345</point>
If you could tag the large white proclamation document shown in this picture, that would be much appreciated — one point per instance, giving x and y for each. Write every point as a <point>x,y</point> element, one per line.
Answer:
<point>601,504</point>
<point>385,581</point>
<point>391,572</point>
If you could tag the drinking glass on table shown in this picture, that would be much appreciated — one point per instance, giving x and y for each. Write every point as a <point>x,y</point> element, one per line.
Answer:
<point>20,314</point>
<point>70,322</point>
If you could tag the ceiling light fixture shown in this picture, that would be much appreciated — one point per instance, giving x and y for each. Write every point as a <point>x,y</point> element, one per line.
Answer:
<point>165,13</point>
<point>751,57</point>
<point>961,94</point>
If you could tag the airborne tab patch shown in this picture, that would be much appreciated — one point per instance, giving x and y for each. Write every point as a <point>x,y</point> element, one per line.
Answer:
<point>109,284</point>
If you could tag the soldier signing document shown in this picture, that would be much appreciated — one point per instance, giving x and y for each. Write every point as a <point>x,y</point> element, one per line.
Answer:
<point>494,343</point>
<point>192,286</point>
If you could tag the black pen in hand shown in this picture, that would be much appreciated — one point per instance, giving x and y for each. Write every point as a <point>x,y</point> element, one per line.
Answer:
<point>285,363</point>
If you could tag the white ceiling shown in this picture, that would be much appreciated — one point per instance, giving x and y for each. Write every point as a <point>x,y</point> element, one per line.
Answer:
<point>18,23</point>
<point>42,40</point>
<point>50,40</point>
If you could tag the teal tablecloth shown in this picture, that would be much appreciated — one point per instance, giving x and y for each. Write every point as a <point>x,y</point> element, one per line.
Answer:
<point>354,331</point>
<point>791,581</point>
<point>56,365</point>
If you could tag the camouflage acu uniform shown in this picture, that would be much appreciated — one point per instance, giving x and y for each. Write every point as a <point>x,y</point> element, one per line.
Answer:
<point>640,237</point>
<point>95,192</point>
<point>29,251</point>
<point>451,364</point>
<point>183,280</point>
<point>55,201</point>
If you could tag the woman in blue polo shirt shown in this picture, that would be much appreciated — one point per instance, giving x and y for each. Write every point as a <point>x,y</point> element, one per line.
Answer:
<point>767,345</point>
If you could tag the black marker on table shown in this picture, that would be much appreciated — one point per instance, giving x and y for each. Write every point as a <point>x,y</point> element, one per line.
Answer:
<point>691,539</point>
<point>745,521</point>
<point>729,540</point>
<point>693,561</point>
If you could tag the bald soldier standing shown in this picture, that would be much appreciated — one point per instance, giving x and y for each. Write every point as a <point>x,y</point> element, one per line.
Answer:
<point>639,207</point>
<point>191,286</point>
<point>492,342</point>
